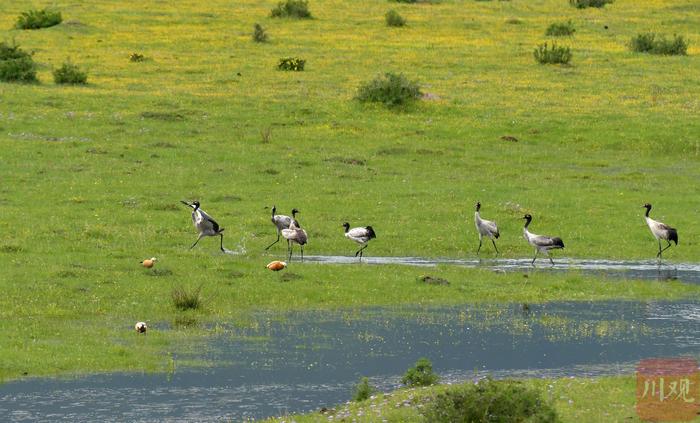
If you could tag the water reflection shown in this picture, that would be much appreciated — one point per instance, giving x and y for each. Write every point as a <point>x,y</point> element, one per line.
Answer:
<point>302,361</point>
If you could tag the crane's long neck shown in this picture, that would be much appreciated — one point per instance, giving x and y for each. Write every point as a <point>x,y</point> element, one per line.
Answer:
<point>647,213</point>
<point>273,211</point>
<point>527,222</point>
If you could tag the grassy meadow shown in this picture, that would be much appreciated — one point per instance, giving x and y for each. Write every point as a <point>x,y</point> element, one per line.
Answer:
<point>92,175</point>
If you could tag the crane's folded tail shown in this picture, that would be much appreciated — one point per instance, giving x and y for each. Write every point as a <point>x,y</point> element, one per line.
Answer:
<point>673,235</point>
<point>557,242</point>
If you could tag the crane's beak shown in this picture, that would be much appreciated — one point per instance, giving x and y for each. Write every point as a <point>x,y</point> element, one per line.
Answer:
<point>186,203</point>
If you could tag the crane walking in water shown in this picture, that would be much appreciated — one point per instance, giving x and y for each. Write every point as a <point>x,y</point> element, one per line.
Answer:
<point>660,231</point>
<point>541,243</point>
<point>360,235</point>
<point>281,222</point>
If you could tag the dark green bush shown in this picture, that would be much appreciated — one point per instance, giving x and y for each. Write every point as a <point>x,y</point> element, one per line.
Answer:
<point>582,4</point>
<point>69,73</point>
<point>136,57</point>
<point>259,34</point>
<point>363,390</point>
<point>490,401</point>
<point>394,19</point>
<point>390,89</point>
<point>651,43</point>
<point>36,19</point>
<point>560,29</point>
<point>16,65</point>
<point>185,299</point>
<point>291,64</point>
<point>555,54</point>
<point>298,9</point>
<point>405,1</point>
<point>420,375</point>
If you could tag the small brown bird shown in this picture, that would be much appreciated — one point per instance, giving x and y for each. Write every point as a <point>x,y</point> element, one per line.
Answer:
<point>140,327</point>
<point>148,263</point>
<point>276,265</point>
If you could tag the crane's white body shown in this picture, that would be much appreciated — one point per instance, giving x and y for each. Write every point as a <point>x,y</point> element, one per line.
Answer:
<point>295,235</point>
<point>485,228</point>
<point>541,243</point>
<point>660,231</point>
<point>205,224</point>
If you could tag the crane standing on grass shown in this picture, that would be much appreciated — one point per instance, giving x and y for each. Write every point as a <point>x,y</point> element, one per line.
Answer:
<point>485,228</point>
<point>660,231</point>
<point>294,234</point>
<point>205,224</point>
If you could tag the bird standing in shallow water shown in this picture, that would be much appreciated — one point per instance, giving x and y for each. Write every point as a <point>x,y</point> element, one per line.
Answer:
<point>282,222</point>
<point>295,234</point>
<point>205,224</point>
<point>541,243</point>
<point>660,231</point>
<point>360,235</point>
<point>485,228</point>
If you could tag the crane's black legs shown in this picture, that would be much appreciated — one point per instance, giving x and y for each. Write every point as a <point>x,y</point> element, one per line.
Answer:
<point>289,249</point>
<point>552,261</point>
<point>195,243</point>
<point>477,250</point>
<point>222,243</point>
<point>494,246</point>
<point>278,238</point>
<point>660,250</point>
<point>302,253</point>
<point>360,251</point>
<point>534,258</point>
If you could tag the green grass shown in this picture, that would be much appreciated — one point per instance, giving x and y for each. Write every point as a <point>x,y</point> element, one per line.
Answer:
<point>580,400</point>
<point>93,174</point>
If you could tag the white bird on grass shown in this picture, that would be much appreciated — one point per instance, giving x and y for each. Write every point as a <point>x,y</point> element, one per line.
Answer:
<point>541,243</point>
<point>485,228</point>
<point>660,231</point>
<point>360,235</point>
<point>205,224</point>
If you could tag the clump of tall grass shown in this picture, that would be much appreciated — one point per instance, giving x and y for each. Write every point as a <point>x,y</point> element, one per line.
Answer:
<point>582,4</point>
<point>16,65</point>
<point>421,374</point>
<point>259,34</point>
<point>363,390</point>
<point>651,43</point>
<point>560,29</point>
<point>390,89</point>
<point>186,299</point>
<point>552,55</point>
<point>490,401</point>
<point>69,73</point>
<point>393,18</point>
<point>297,9</point>
<point>37,19</point>
<point>291,64</point>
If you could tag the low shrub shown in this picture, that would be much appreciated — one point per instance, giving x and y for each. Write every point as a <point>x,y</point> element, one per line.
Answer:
<point>259,34</point>
<point>37,19</point>
<point>136,57</point>
<point>560,29</point>
<point>582,4</point>
<point>297,9</point>
<point>185,299</point>
<point>291,64</point>
<point>554,55</point>
<point>390,89</point>
<point>16,65</point>
<point>69,73</point>
<point>651,43</point>
<point>394,19</point>
<point>421,374</point>
<point>363,390</point>
<point>490,401</point>
<point>405,1</point>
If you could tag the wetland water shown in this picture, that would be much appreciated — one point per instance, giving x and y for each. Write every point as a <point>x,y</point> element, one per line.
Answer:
<point>302,361</point>
<point>625,269</point>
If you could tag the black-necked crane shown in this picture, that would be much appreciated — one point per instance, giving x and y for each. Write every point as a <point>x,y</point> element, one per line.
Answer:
<point>295,235</point>
<point>660,231</point>
<point>360,235</point>
<point>486,228</point>
<point>282,221</point>
<point>541,243</point>
<point>205,224</point>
